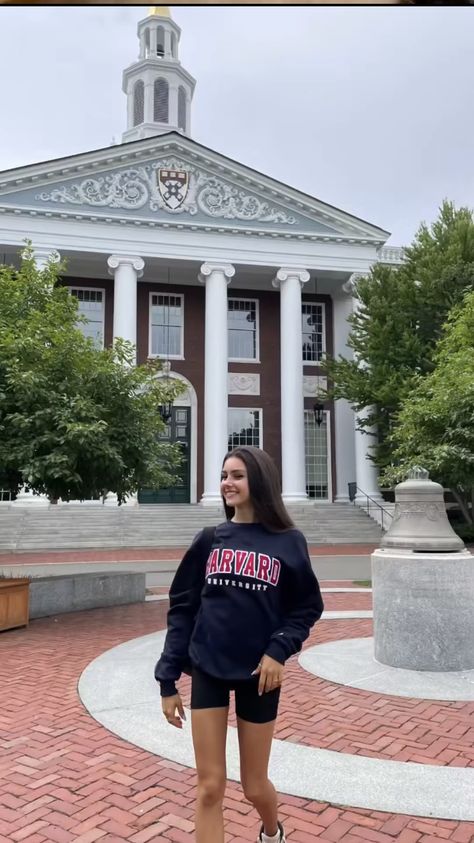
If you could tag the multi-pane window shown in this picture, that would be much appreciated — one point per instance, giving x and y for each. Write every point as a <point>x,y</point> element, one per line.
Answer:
<point>316,456</point>
<point>160,101</point>
<point>166,325</point>
<point>91,305</point>
<point>243,427</point>
<point>242,325</point>
<point>138,103</point>
<point>313,332</point>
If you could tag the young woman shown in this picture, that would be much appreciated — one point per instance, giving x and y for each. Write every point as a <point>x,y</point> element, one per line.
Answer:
<point>243,600</point>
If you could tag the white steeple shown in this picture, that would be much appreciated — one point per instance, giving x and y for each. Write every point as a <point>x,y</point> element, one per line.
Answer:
<point>159,91</point>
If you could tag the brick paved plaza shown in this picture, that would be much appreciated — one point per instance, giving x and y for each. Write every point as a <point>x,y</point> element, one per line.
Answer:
<point>64,777</point>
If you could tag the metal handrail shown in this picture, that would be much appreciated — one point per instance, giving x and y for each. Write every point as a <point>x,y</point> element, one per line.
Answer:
<point>354,488</point>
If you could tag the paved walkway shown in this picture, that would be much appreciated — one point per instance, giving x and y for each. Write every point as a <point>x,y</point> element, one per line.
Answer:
<point>154,554</point>
<point>64,777</point>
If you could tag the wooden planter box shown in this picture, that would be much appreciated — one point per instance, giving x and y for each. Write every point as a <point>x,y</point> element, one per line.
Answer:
<point>14,603</point>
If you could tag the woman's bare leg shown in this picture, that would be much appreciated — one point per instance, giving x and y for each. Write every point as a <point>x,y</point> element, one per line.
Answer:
<point>255,741</point>
<point>209,729</point>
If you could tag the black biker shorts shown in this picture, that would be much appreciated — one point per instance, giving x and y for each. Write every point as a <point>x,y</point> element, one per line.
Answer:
<point>209,692</point>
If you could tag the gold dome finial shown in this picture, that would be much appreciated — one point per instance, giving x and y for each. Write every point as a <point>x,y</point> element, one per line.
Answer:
<point>159,11</point>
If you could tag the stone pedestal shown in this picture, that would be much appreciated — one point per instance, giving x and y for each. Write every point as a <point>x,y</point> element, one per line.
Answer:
<point>423,609</point>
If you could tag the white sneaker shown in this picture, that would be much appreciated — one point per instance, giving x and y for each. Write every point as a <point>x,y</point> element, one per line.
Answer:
<point>264,838</point>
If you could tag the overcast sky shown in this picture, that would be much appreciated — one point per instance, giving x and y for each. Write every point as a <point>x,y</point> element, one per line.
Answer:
<point>370,109</point>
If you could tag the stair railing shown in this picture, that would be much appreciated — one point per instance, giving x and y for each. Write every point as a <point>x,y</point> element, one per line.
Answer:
<point>354,488</point>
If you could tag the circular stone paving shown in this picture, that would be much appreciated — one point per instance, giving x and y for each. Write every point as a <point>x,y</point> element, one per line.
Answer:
<point>351,662</point>
<point>119,691</point>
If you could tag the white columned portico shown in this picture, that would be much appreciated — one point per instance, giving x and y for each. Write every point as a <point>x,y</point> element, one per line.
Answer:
<point>366,470</point>
<point>216,277</point>
<point>290,281</point>
<point>126,271</point>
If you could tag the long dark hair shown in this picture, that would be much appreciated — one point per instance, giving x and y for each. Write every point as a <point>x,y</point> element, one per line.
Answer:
<point>264,489</point>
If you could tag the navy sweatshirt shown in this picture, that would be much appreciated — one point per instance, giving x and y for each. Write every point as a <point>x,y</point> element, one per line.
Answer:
<point>255,593</point>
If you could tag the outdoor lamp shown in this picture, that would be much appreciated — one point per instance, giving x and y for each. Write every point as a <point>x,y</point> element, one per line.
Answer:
<point>165,411</point>
<point>318,410</point>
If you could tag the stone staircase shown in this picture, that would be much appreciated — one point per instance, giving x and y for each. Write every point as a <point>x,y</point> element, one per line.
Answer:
<point>67,527</point>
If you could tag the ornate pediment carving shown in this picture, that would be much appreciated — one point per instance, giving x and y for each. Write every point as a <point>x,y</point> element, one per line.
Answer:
<point>143,186</point>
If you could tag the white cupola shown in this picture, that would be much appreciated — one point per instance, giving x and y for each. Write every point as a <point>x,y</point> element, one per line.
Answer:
<point>159,91</point>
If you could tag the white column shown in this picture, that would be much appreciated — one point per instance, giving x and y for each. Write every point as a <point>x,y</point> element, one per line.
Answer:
<point>148,106</point>
<point>126,270</point>
<point>26,497</point>
<point>173,105</point>
<point>343,412</point>
<point>216,277</point>
<point>366,470</point>
<point>167,44</point>
<point>188,116</point>
<point>43,256</point>
<point>290,282</point>
<point>130,105</point>
<point>153,41</point>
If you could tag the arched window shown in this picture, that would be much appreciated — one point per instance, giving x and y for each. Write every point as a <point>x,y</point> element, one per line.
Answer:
<point>160,101</point>
<point>160,42</point>
<point>181,108</point>
<point>173,45</point>
<point>138,103</point>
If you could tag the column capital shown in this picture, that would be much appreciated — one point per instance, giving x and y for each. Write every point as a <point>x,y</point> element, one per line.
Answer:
<point>43,256</point>
<point>286,272</point>
<point>114,261</point>
<point>208,268</point>
<point>350,285</point>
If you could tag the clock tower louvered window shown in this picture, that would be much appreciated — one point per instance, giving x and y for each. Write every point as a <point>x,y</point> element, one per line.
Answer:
<point>161,101</point>
<point>138,102</point>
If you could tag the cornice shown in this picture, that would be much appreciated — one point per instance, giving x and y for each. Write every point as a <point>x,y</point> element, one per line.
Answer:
<point>183,225</point>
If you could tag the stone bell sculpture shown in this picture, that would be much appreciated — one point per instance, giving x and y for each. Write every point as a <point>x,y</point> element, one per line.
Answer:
<point>423,584</point>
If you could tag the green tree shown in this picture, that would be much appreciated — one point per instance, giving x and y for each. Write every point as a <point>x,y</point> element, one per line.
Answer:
<point>75,421</point>
<point>400,315</point>
<point>435,426</point>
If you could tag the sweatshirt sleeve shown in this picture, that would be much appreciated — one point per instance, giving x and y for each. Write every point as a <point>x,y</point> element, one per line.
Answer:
<point>185,598</point>
<point>303,605</point>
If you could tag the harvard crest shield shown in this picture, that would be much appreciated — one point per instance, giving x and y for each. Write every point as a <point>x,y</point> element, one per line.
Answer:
<point>173,186</point>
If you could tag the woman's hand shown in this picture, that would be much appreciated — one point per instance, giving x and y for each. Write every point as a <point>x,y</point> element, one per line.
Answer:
<point>173,710</point>
<point>271,674</point>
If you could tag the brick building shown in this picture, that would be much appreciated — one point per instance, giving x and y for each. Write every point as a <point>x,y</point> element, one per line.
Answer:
<point>239,283</point>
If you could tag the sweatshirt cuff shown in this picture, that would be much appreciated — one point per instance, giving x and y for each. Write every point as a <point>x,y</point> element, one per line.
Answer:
<point>276,651</point>
<point>168,688</point>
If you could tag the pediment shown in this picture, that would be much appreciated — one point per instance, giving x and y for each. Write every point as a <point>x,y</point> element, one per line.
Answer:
<point>172,181</point>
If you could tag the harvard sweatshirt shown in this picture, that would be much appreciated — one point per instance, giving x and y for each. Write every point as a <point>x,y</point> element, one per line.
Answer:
<point>255,593</point>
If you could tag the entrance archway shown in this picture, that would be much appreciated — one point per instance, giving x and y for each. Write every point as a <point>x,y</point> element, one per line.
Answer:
<point>182,428</point>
